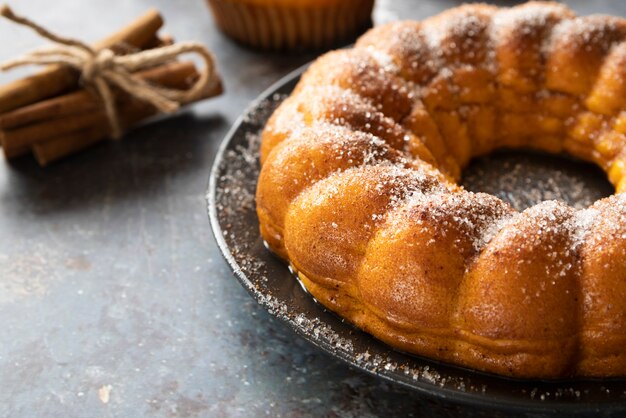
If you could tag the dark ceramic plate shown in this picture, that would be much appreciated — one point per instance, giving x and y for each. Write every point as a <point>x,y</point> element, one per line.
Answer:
<point>269,281</point>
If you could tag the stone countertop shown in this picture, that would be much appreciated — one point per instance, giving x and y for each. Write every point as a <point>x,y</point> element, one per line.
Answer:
<point>114,298</point>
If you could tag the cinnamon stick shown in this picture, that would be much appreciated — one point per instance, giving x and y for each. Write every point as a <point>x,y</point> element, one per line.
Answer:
<point>88,110</point>
<point>171,75</point>
<point>84,111</point>
<point>15,152</point>
<point>137,34</point>
<point>46,152</point>
<point>57,148</point>
<point>158,41</point>
<point>31,134</point>
<point>56,79</point>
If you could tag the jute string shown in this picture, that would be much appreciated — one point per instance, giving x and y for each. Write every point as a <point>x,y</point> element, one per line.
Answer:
<point>103,70</point>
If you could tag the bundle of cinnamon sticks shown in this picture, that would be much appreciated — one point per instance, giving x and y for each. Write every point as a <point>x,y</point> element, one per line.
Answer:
<point>50,115</point>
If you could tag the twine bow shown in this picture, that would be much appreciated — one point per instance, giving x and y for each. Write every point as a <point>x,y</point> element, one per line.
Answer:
<point>103,69</point>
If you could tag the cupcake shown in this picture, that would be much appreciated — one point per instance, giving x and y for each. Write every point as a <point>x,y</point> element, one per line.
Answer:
<point>292,24</point>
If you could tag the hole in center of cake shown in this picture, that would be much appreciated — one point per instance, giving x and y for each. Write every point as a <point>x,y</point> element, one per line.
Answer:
<point>525,178</point>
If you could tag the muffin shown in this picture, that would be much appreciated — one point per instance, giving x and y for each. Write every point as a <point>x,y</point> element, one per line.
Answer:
<point>292,24</point>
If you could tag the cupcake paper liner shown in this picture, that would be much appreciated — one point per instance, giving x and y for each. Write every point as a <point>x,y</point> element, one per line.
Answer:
<point>276,27</point>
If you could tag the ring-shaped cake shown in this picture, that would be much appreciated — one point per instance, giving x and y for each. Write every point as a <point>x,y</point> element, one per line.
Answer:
<point>358,188</point>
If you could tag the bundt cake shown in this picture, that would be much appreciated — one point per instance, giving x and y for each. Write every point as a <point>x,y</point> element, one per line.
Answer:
<point>358,188</point>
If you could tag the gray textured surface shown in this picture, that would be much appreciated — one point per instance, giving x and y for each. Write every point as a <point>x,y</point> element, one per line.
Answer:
<point>109,276</point>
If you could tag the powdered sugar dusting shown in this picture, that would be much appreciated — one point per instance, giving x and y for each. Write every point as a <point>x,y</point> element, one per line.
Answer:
<point>239,171</point>
<point>489,87</point>
<point>583,221</point>
<point>234,200</point>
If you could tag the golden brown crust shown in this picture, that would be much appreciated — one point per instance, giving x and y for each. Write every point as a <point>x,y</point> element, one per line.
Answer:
<point>357,70</point>
<point>309,155</point>
<point>578,49</point>
<point>602,286</point>
<point>357,188</point>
